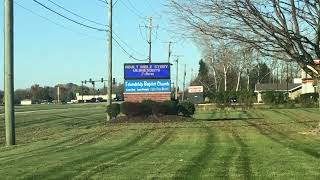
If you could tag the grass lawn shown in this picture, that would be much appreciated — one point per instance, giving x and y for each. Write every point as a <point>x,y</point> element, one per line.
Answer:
<point>75,143</point>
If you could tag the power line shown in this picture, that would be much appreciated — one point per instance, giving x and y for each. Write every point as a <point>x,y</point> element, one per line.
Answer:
<point>125,51</point>
<point>103,1</point>
<point>151,7</point>
<point>121,47</point>
<point>94,23</point>
<point>65,17</point>
<point>126,44</point>
<point>134,8</point>
<point>134,12</point>
<point>77,15</point>
<point>55,23</point>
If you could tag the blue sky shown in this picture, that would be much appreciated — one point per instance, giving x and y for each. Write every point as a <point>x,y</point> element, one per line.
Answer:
<point>48,54</point>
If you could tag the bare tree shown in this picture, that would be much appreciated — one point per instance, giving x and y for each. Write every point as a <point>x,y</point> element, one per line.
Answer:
<point>284,29</point>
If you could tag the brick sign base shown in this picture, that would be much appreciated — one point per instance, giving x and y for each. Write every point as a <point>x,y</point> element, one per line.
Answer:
<point>139,97</point>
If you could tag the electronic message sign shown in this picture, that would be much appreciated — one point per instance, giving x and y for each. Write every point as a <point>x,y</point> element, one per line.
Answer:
<point>147,71</point>
<point>143,86</point>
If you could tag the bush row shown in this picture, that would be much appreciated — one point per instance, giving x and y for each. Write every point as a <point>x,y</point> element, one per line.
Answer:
<point>229,98</point>
<point>149,107</point>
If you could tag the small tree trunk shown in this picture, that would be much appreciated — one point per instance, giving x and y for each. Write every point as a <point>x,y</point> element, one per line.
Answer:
<point>238,82</point>
<point>225,78</point>
<point>215,79</point>
<point>248,85</point>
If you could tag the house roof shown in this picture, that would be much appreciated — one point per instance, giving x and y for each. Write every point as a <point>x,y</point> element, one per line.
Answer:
<point>277,87</point>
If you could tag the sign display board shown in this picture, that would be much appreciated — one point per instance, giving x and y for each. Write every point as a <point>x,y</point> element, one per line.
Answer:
<point>195,89</point>
<point>145,86</point>
<point>147,71</point>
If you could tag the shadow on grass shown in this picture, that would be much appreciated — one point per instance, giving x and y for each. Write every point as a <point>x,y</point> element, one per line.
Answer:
<point>198,162</point>
<point>229,119</point>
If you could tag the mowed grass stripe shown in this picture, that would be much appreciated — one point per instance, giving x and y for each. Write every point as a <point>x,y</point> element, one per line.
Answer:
<point>37,128</point>
<point>283,135</point>
<point>255,144</point>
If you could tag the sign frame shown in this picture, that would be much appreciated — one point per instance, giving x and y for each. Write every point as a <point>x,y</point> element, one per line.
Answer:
<point>151,77</point>
<point>141,87</point>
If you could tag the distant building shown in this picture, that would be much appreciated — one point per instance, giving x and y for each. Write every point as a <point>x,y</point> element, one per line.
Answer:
<point>90,98</point>
<point>302,85</point>
<point>294,90</point>
<point>307,83</point>
<point>26,102</point>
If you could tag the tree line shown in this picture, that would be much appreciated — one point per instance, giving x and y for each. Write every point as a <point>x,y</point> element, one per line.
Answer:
<point>226,67</point>
<point>46,94</point>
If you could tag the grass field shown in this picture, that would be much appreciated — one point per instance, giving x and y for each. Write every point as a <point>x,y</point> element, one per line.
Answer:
<point>75,143</point>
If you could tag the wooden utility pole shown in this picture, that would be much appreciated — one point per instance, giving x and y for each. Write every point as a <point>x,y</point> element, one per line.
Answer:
<point>150,37</point>
<point>184,81</point>
<point>8,73</point>
<point>169,49</point>
<point>109,100</point>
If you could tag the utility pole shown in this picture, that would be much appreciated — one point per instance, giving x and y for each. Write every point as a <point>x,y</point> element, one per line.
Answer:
<point>150,37</point>
<point>177,76</point>
<point>8,73</point>
<point>169,49</point>
<point>184,81</point>
<point>169,52</point>
<point>109,100</point>
<point>58,94</point>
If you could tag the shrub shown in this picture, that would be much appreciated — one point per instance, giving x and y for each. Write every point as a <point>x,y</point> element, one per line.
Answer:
<point>275,98</point>
<point>135,109</point>
<point>308,100</point>
<point>150,107</point>
<point>113,110</point>
<point>246,98</point>
<point>169,108</point>
<point>290,104</point>
<point>186,108</point>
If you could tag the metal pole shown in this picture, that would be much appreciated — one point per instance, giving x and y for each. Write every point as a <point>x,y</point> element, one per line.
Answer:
<point>169,53</point>
<point>176,93</point>
<point>94,89</point>
<point>8,73</point>
<point>109,80</point>
<point>150,37</point>
<point>184,81</point>
<point>82,91</point>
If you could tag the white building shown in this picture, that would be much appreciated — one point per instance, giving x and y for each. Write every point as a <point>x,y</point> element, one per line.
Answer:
<point>89,98</point>
<point>26,102</point>
<point>307,83</point>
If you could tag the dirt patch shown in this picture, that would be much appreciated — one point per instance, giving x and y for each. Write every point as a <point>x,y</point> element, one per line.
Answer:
<point>314,132</point>
<point>151,119</point>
